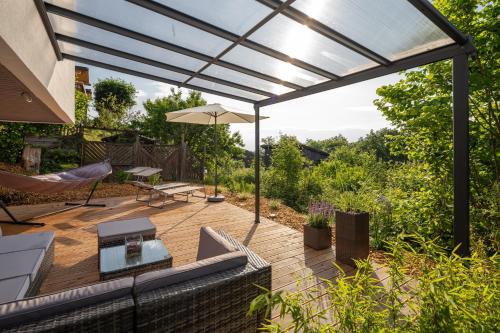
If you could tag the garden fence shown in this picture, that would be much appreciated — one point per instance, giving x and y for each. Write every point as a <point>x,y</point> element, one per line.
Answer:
<point>177,161</point>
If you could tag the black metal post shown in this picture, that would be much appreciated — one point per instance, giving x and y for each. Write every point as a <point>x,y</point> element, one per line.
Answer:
<point>215,150</point>
<point>461,189</point>
<point>257,163</point>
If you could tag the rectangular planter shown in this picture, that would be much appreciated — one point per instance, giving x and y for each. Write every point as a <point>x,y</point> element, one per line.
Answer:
<point>317,238</point>
<point>351,236</point>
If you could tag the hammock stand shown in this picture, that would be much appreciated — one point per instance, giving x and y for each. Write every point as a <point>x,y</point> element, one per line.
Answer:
<point>53,183</point>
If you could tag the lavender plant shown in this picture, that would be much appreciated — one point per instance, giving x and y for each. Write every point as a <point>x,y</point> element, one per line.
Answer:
<point>321,214</point>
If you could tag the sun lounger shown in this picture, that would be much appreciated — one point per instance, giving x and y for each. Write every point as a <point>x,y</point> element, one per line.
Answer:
<point>152,188</point>
<point>141,174</point>
<point>171,192</point>
<point>135,170</point>
<point>147,173</point>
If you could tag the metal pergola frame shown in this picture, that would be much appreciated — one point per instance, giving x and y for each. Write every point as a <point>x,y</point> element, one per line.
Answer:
<point>459,51</point>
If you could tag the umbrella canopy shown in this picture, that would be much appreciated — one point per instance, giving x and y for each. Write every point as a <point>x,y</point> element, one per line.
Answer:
<point>211,114</point>
<point>207,115</point>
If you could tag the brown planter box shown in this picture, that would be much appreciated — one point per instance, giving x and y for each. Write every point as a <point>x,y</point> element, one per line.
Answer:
<point>351,236</point>
<point>317,238</point>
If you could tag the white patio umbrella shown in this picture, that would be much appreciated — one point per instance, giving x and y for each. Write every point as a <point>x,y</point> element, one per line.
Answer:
<point>212,114</point>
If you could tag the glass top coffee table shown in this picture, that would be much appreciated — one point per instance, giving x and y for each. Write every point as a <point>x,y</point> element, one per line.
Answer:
<point>113,263</point>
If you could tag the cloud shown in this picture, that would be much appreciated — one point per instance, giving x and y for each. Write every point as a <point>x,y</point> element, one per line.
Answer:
<point>161,89</point>
<point>140,93</point>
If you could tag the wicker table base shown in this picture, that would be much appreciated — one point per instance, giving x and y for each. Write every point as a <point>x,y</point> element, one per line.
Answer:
<point>114,264</point>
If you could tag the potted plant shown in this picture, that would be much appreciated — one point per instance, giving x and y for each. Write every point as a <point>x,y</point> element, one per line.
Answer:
<point>351,229</point>
<point>318,231</point>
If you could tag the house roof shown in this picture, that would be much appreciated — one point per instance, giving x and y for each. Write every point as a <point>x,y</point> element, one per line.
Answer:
<point>256,51</point>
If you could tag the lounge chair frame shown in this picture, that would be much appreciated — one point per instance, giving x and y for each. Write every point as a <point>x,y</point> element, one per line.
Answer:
<point>172,192</point>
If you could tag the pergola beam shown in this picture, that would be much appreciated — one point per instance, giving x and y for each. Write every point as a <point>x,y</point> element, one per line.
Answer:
<point>91,21</point>
<point>154,63</point>
<point>328,32</point>
<point>237,40</point>
<point>442,53</point>
<point>152,77</point>
<point>48,28</point>
<point>428,10</point>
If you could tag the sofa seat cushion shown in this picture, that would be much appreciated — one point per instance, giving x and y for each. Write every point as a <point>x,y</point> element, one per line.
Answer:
<point>21,242</point>
<point>116,230</point>
<point>13,289</point>
<point>21,263</point>
<point>37,308</point>
<point>165,277</point>
<point>212,244</point>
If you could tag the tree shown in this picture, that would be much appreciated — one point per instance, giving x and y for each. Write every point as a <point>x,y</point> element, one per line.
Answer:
<point>328,145</point>
<point>82,103</point>
<point>113,99</point>
<point>379,143</point>
<point>199,138</point>
<point>419,107</point>
<point>283,178</point>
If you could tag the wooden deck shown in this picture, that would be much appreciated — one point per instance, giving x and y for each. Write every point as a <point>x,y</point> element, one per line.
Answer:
<point>178,226</point>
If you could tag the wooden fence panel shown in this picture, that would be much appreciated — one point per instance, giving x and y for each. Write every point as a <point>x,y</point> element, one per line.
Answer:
<point>176,161</point>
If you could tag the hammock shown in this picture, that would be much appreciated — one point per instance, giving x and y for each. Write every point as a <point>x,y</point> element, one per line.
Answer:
<point>54,183</point>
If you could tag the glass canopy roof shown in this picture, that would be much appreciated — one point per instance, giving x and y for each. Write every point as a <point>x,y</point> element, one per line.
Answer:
<point>257,51</point>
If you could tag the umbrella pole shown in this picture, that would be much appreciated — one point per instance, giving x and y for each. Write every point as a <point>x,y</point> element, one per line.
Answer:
<point>216,197</point>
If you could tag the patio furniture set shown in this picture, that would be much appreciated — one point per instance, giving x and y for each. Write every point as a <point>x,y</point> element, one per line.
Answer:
<point>143,294</point>
<point>165,191</point>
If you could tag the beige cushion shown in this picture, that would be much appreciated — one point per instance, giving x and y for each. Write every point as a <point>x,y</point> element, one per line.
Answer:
<point>212,244</point>
<point>37,308</point>
<point>119,229</point>
<point>21,263</point>
<point>13,289</point>
<point>21,242</point>
<point>162,278</point>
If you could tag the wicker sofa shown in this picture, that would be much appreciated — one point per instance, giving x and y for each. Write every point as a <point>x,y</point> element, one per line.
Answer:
<point>212,294</point>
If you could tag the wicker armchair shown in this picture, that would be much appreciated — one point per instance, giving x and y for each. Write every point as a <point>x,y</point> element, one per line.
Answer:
<point>214,303</point>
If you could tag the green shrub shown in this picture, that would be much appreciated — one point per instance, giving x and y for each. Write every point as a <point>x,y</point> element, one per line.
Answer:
<point>240,181</point>
<point>12,138</point>
<point>122,177</point>
<point>155,179</point>
<point>243,196</point>
<point>449,294</point>
<point>274,204</point>
<point>283,177</point>
<point>57,159</point>
<point>310,189</point>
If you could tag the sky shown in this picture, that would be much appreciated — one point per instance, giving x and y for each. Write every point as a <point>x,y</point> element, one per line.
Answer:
<point>348,110</point>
